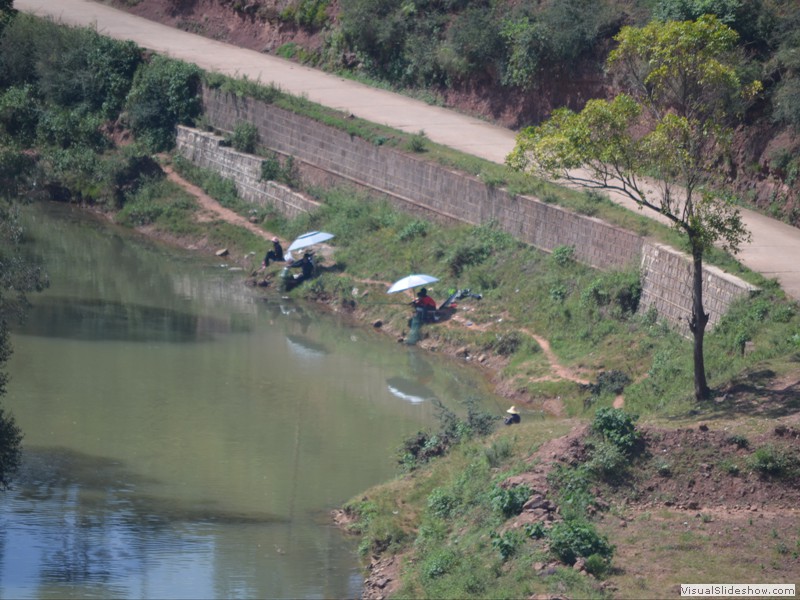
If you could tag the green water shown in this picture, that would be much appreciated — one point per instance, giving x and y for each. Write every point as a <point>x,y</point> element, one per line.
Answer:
<point>185,436</point>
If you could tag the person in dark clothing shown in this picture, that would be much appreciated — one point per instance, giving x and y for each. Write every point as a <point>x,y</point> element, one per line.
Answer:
<point>275,255</point>
<point>306,264</point>
<point>513,416</point>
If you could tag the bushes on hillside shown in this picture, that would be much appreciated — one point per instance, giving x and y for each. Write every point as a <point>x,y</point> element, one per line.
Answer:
<point>451,43</point>
<point>423,446</point>
<point>74,68</point>
<point>165,93</point>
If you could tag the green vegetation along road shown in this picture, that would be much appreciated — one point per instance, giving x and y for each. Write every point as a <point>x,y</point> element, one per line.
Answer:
<point>773,250</point>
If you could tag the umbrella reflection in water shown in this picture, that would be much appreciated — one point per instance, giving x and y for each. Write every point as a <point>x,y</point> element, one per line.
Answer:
<point>409,390</point>
<point>304,347</point>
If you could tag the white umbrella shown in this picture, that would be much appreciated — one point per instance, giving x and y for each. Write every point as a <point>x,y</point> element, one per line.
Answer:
<point>412,281</point>
<point>309,239</point>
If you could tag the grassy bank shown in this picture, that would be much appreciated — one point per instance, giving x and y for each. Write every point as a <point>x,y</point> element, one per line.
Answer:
<point>589,318</point>
<point>526,513</point>
<point>452,526</point>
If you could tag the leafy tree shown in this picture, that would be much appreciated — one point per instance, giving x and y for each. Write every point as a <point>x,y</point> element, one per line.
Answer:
<point>683,92</point>
<point>785,65</point>
<point>164,94</point>
<point>17,277</point>
<point>6,12</point>
<point>77,67</point>
<point>19,115</point>
<point>751,19</point>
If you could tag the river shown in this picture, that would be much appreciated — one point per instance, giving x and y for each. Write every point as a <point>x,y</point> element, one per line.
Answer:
<point>186,436</point>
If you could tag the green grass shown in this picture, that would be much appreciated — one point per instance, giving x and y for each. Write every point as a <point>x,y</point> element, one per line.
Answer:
<point>447,517</point>
<point>587,316</point>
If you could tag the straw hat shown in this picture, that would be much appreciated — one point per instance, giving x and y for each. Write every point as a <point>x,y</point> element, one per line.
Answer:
<point>512,411</point>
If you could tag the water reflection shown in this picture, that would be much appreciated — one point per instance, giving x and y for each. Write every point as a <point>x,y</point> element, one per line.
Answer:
<point>304,347</point>
<point>98,320</point>
<point>204,468</point>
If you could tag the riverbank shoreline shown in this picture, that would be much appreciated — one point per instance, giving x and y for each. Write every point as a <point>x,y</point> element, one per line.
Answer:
<point>490,365</point>
<point>383,572</point>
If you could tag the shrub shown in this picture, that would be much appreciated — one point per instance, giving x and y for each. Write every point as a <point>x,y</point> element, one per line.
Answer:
<point>509,501</point>
<point>507,543</point>
<point>244,137</point>
<point>608,461</point>
<point>563,255</point>
<point>19,114</point>
<point>271,169</point>
<point>414,229</point>
<point>525,45</point>
<point>164,94</point>
<point>618,291</point>
<point>423,446</point>
<point>499,451</point>
<point>466,254</point>
<point>72,67</point>
<point>439,563</point>
<point>505,345</point>
<point>739,441</point>
<point>747,18</point>
<point>773,461</point>
<point>417,142</point>
<point>535,530</point>
<point>441,503</point>
<point>15,169</point>
<point>617,427</point>
<point>598,565</point>
<point>787,103</point>
<point>474,38</point>
<point>571,487</point>
<point>570,540</point>
<point>10,441</point>
<point>311,14</point>
<point>608,382</point>
<point>558,293</point>
<point>61,128</point>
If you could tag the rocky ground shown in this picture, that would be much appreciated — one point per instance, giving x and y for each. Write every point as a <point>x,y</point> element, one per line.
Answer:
<point>691,481</point>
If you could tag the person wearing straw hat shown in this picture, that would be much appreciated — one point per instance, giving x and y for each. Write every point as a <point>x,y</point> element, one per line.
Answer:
<point>276,254</point>
<point>513,416</point>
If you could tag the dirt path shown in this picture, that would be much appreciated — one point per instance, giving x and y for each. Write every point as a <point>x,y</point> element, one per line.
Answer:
<point>211,209</point>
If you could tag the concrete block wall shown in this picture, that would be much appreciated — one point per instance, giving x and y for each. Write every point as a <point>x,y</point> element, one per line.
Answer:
<point>205,150</point>
<point>667,286</point>
<point>412,182</point>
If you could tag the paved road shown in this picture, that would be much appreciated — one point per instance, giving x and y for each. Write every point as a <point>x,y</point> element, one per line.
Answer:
<point>775,247</point>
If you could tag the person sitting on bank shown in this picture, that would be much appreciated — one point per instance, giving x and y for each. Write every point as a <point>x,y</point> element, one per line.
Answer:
<point>425,304</point>
<point>513,416</point>
<point>306,264</point>
<point>275,255</point>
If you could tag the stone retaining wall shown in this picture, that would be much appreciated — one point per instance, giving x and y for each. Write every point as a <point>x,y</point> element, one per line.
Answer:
<point>207,150</point>
<point>412,183</point>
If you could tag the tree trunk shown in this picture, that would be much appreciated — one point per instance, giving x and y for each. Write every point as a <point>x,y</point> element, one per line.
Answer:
<point>697,325</point>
